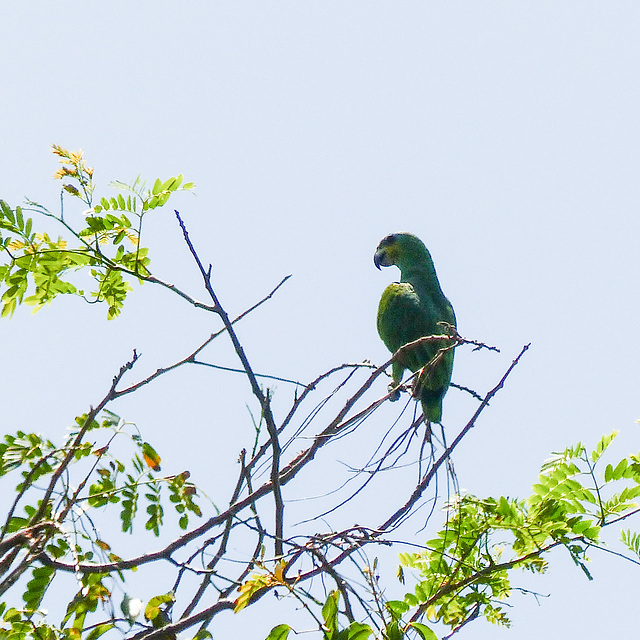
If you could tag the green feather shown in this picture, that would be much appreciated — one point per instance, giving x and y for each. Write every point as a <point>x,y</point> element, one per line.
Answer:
<point>411,309</point>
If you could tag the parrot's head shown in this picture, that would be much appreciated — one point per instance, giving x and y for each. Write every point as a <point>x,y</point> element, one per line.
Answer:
<point>398,249</point>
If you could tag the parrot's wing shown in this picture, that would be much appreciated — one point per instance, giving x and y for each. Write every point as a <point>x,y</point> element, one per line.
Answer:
<point>403,316</point>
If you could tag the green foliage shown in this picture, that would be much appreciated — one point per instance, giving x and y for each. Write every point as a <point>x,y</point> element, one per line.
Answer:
<point>129,504</point>
<point>423,631</point>
<point>26,448</point>
<point>37,587</point>
<point>355,630</point>
<point>182,494</point>
<point>48,513</point>
<point>330,624</point>
<point>281,632</point>
<point>86,601</point>
<point>106,246</point>
<point>465,571</point>
<point>109,488</point>
<point>154,610</point>
<point>154,509</point>
<point>18,624</point>
<point>631,540</point>
<point>70,537</point>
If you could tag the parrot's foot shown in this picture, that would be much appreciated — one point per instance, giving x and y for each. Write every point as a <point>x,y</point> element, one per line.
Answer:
<point>394,392</point>
<point>416,387</point>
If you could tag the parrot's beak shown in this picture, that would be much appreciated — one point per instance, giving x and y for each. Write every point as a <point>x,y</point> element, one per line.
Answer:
<point>377,259</point>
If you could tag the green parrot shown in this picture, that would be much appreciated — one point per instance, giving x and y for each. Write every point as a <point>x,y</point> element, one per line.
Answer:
<point>411,309</point>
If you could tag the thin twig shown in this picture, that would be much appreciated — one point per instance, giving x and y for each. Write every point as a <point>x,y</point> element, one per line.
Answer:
<point>79,437</point>
<point>191,357</point>
<point>263,398</point>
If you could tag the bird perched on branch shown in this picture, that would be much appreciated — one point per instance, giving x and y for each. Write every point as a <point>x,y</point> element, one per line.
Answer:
<point>413,308</point>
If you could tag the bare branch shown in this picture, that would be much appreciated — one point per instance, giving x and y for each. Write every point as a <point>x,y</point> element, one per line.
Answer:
<point>263,398</point>
<point>80,436</point>
<point>191,358</point>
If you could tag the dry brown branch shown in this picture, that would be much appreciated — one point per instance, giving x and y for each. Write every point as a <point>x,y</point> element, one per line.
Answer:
<point>191,358</point>
<point>263,399</point>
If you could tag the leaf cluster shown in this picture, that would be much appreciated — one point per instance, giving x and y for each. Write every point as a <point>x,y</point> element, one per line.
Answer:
<point>105,244</point>
<point>465,571</point>
<point>329,624</point>
<point>50,535</point>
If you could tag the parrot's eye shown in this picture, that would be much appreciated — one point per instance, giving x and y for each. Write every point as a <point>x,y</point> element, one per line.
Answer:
<point>390,239</point>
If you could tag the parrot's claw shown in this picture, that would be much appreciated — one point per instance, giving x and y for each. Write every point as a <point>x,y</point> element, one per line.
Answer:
<point>394,392</point>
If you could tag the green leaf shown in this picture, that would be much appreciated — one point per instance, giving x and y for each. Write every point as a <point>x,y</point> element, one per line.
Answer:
<point>8,308</point>
<point>424,631</point>
<point>631,492</point>
<point>358,631</point>
<point>11,615</point>
<point>6,211</point>
<point>99,630</point>
<point>581,526</point>
<point>592,533</point>
<point>605,441</point>
<point>397,608</point>
<point>420,591</point>
<point>330,611</point>
<point>281,632</point>
<point>129,505</point>
<point>411,600</point>
<point>540,489</point>
<point>620,469</point>
<point>631,540</point>
<point>152,610</point>
<point>393,632</point>
<point>37,586</point>
<point>172,183</point>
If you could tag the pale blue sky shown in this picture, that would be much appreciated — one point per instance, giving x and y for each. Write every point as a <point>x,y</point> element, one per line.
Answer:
<point>504,134</point>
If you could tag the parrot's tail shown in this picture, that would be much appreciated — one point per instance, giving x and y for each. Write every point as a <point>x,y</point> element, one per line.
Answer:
<point>431,405</point>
